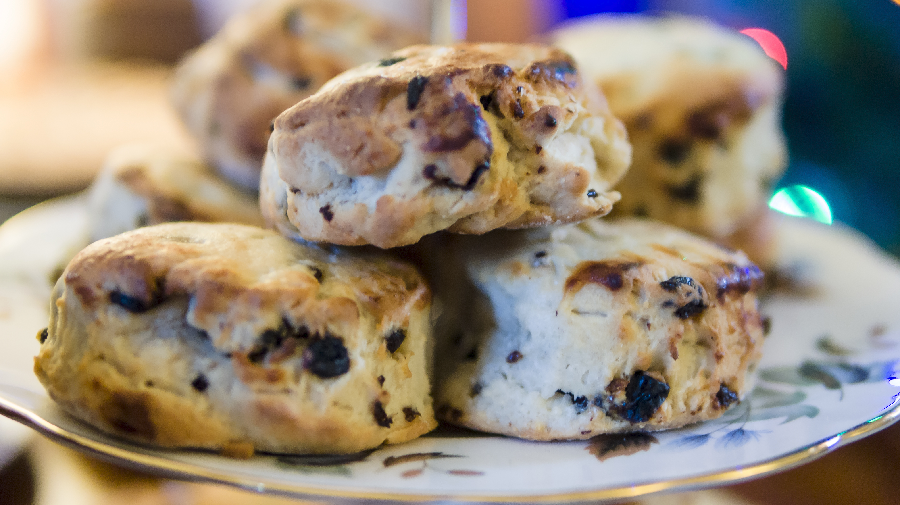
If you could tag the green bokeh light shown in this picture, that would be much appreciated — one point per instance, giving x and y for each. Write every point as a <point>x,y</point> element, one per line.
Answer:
<point>801,201</point>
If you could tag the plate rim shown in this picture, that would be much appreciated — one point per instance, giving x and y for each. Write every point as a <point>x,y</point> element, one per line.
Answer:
<point>197,473</point>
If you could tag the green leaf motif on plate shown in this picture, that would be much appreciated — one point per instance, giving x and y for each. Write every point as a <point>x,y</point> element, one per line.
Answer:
<point>338,470</point>
<point>331,464</point>
<point>786,375</point>
<point>418,456</point>
<point>765,398</point>
<point>827,345</point>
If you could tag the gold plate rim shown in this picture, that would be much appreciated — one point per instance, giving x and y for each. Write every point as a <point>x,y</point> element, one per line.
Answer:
<point>197,473</point>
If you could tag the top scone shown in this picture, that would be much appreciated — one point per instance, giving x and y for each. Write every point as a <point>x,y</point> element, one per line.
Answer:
<point>465,138</point>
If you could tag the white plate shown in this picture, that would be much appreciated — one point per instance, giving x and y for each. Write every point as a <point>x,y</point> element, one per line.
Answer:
<point>825,379</point>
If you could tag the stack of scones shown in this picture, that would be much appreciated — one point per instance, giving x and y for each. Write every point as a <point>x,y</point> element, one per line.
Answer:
<point>426,243</point>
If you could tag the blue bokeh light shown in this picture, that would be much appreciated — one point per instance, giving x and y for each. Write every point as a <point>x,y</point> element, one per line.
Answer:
<point>578,8</point>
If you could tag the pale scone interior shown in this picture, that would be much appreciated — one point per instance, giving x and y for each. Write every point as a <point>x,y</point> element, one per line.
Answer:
<point>595,328</point>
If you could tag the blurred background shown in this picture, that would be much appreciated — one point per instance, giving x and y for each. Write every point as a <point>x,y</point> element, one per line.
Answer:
<point>78,77</point>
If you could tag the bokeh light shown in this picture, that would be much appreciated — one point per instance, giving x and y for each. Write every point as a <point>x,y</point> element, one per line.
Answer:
<point>20,38</point>
<point>801,201</point>
<point>770,44</point>
<point>578,8</point>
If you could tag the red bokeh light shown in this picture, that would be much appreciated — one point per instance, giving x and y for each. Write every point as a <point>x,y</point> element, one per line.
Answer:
<point>770,43</point>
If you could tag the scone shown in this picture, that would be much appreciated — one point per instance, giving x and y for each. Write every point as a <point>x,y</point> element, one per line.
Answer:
<point>229,337</point>
<point>596,328</point>
<point>230,90</point>
<point>465,138</point>
<point>702,105</point>
<point>142,185</point>
<point>757,237</point>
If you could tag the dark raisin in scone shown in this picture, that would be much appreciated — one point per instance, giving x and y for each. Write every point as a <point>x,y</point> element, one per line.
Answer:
<point>230,90</point>
<point>702,105</point>
<point>219,336</point>
<point>465,138</point>
<point>142,185</point>
<point>594,328</point>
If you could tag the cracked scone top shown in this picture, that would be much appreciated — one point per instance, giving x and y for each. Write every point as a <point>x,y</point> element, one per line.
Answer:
<point>265,60</point>
<point>594,328</point>
<point>221,336</point>
<point>466,138</point>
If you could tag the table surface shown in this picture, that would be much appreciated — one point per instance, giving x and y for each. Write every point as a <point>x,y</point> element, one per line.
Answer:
<point>56,131</point>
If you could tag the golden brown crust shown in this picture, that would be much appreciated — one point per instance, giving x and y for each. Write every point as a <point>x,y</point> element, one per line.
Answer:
<point>470,138</point>
<point>230,90</point>
<point>200,335</point>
